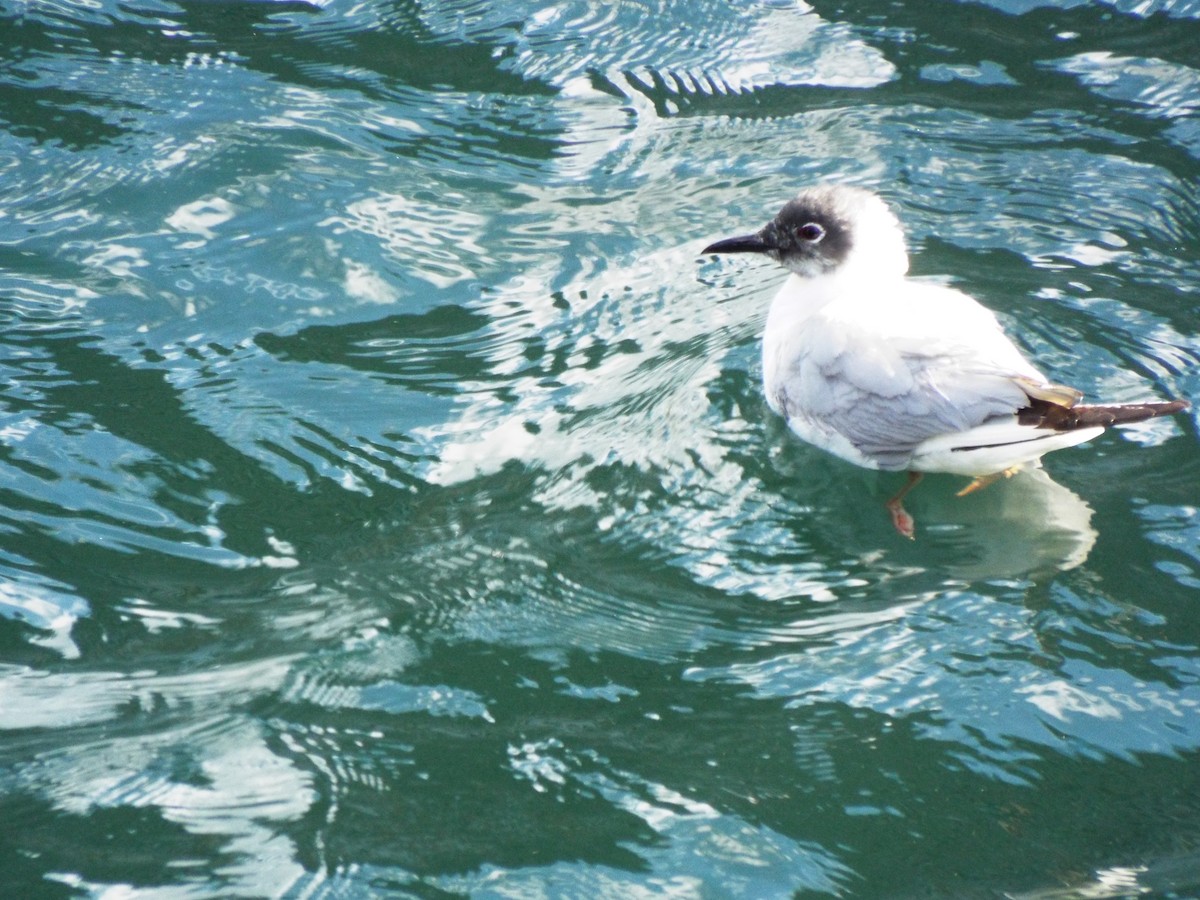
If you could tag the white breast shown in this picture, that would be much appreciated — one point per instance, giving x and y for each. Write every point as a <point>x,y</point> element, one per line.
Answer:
<point>797,341</point>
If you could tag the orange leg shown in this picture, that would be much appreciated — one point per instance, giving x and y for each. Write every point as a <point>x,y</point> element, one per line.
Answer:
<point>984,480</point>
<point>901,520</point>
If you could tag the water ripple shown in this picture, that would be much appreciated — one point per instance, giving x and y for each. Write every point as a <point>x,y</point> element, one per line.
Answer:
<point>723,51</point>
<point>1001,702</point>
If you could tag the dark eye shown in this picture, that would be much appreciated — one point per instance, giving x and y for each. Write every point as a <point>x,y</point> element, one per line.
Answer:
<point>811,232</point>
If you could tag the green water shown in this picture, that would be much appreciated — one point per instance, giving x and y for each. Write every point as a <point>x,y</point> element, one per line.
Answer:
<point>388,507</point>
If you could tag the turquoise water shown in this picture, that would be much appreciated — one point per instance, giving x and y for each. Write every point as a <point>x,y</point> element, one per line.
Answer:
<point>388,504</point>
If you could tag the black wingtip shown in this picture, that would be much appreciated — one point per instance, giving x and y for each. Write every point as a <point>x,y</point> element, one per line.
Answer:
<point>1060,418</point>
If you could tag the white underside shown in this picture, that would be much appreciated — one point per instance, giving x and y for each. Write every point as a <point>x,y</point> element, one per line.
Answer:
<point>993,447</point>
<point>983,450</point>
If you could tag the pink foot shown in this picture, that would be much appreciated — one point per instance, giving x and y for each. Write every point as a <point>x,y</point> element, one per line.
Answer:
<point>905,524</point>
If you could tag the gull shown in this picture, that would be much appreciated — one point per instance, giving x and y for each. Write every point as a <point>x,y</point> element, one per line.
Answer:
<point>892,373</point>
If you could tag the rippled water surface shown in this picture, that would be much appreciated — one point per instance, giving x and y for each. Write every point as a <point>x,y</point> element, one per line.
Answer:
<point>389,507</point>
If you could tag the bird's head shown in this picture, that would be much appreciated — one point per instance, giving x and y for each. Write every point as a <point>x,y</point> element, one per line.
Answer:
<point>825,229</point>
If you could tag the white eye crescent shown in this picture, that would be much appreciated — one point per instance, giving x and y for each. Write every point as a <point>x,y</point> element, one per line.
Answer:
<point>810,232</point>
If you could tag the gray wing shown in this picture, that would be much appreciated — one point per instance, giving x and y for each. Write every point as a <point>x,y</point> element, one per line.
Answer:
<point>886,402</point>
<point>889,429</point>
